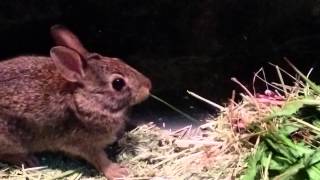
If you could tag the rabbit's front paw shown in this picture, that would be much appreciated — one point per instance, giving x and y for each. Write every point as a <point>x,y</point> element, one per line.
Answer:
<point>115,171</point>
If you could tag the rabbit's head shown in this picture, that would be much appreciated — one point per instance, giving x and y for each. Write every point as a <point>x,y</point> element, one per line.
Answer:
<point>102,81</point>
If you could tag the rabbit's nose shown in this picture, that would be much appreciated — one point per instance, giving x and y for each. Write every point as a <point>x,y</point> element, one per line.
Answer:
<point>142,94</point>
<point>148,84</point>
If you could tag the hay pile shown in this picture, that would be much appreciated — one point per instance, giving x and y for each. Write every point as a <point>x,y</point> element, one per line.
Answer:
<point>269,135</point>
<point>204,153</point>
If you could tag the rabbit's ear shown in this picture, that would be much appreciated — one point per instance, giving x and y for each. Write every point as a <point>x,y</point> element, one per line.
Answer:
<point>68,62</point>
<point>64,37</point>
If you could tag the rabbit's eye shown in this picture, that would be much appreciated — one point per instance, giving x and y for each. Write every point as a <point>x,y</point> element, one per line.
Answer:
<point>118,84</point>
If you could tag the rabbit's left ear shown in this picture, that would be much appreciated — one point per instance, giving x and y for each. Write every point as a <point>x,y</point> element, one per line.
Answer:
<point>64,37</point>
<point>68,62</point>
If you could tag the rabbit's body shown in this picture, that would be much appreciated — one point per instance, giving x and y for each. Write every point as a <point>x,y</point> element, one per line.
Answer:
<point>73,101</point>
<point>36,84</point>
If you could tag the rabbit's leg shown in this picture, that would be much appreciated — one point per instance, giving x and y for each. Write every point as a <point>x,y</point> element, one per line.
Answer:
<point>19,159</point>
<point>100,160</point>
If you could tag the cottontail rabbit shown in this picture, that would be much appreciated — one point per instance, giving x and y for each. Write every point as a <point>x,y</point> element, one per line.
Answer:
<point>73,101</point>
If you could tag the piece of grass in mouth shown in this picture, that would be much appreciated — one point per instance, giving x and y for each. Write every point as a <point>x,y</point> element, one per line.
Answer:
<point>174,108</point>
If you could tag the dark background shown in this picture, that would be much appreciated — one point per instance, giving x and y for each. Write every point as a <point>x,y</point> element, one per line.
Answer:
<point>181,45</point>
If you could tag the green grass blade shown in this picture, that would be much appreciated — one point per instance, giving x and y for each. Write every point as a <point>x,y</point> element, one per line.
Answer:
<point>279,163</point>
<point>293,107</point>
<point>253,167</point>
<point>313,173</point>
<point>313,85</point>
<point>294,169</point>
<point>279,148</point>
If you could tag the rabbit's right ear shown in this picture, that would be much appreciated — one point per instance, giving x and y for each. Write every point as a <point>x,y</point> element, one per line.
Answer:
<point>64,37</point>
<point>68,62</point>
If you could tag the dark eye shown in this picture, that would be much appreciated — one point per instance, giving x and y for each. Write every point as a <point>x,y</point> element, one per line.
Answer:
<point>118,84</point>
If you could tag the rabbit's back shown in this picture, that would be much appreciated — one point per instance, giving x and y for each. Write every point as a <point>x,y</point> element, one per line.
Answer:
<point>29,89</point>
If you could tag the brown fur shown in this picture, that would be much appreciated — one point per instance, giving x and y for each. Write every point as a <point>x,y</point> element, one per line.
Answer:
<point>44,108</point>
